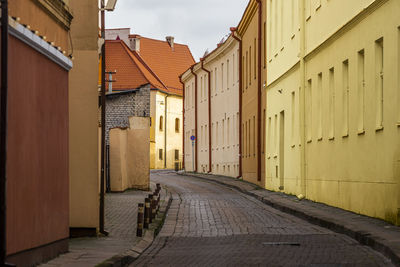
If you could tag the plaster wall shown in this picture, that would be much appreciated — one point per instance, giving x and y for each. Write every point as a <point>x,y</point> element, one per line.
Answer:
<point>189,122</point>
<point>83,115</point>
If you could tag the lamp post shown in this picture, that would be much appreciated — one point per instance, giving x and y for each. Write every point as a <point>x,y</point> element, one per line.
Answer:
<point>109,7</point>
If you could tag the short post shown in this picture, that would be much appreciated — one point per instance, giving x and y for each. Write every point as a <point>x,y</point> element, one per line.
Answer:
<point>151,208</point>
<point>154,207</point>
<point>140,218</point>
<point>147,211</point>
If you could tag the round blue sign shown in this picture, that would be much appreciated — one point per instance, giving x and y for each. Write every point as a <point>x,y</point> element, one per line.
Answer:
<point>192,138</point>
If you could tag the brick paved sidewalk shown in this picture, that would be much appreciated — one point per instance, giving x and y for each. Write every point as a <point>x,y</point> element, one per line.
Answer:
<point>381,236</point>
<point>120,223</point>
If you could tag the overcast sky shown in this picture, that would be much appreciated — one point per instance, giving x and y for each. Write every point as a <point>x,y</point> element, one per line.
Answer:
<point>201,24</point>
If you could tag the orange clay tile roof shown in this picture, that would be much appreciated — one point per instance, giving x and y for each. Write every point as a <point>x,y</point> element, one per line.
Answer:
<point>155,64</point>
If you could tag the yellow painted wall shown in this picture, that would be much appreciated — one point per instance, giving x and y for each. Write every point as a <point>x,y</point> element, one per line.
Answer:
<point>173,138</point>
<point>351,163</point>
<point>118,160</point>
<point>83,123</point>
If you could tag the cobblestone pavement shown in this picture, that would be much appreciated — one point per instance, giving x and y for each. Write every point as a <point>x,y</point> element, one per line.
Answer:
<point>210,224</point>
<point>120,223</point>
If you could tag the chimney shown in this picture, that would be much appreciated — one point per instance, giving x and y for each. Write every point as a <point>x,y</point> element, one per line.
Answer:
<point>134,43</point>
<point>170,40</point>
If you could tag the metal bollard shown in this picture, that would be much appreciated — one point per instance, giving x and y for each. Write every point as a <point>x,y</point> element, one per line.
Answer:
<point>151,208</point>
<point>158,186</point>
<point>140,218</point>
<point>147,210</point>
<point>154,207</point>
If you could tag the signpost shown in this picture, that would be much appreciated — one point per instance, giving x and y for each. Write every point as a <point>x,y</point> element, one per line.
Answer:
<point>193,138</point>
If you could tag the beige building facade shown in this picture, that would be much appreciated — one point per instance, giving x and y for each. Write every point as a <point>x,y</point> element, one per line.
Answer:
<point>333,97</point>
<point>83,120</point>
<point>215,123</point>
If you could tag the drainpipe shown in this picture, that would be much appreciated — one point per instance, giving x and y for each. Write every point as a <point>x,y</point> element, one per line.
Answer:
<point>303,164</point>
<point>195,118</point>
<point>183,123</point>
<point>209,115</point>
<point>233,30</point>
<point>3,132</point>
<point>103,120</point>
<point>259,95</point>
<point>165,131</point>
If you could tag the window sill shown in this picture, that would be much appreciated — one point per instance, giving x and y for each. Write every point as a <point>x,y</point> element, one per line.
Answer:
<point>379,128</point>
<point>283,48</point>
<point>346,135</point>
<point>319,139</point>
<point>309,141</point>
<point>308,18</point>
<point>318,7</point>
<point>275,156</point>
<point>398,124</point>
<point>293,145</point>
<point>332,138</point>
<point>361,132</point>
<point>293,35</point>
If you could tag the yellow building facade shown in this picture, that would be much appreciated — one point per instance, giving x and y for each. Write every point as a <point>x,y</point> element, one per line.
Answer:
<point>217,126</point>
<point>166,130</point>
<point>333,98</point>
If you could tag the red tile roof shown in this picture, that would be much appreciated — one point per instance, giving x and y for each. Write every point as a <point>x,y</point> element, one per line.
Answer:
<point>156,63</point>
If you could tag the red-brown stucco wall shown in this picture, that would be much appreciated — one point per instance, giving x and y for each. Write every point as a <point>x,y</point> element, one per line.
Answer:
<point>37,157</point>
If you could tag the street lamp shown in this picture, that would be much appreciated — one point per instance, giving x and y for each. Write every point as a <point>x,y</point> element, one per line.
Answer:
<point>109,7</point>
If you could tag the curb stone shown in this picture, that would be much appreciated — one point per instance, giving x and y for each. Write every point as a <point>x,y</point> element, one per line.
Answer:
<point>379,244</point>
<point>143,243</point>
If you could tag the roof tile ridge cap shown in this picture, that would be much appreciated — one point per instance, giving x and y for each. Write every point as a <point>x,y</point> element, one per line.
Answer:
<point>139,57</point>
<point>130,56</point>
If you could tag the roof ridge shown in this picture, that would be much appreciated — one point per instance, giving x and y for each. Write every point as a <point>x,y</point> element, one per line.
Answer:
<point>124,48</point>
<point>135,54</point>
<point>157,40</point>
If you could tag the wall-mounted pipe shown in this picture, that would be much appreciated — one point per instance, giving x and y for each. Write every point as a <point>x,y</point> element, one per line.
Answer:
<point>195,119</point>
<point>165,130</point>
<point>183,123</point>
<point>209,116</point>
<point>234,30</point>
<point>3,132</point>
<point>259,95</point>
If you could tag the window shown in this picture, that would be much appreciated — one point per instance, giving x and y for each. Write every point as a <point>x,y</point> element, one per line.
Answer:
<point>331,103</point>
<point>398,76</point>
<point>245,143</point>
<point>201,88</point>
<point>275,135</point>
<point>269,137</point>
<point>233,69</point>
<point>161,123</point>
<point>255,58</point>
<point>247,69</point>
<point>216,135</point>
<point>160,154</point>
<point>282,15</point>
<point>361,90</point>
<point>320,94</point>
<point>215,81</point>
<point>227,74</point>
<point>223,132</point>
<point>345,93</point>
<point>265,44</point>
<point>250,65</point>
<point>293,116</point>
<point>379,83</point>
<point>263,132</point>
<point>309,110</point>
<point>254,135</point>
<point>222,77</point>
<point>193,94</point>
<point>177,125</point>
<point>176,154</point>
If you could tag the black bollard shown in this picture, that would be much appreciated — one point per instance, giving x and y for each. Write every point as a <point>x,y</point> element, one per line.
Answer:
<point>151,208</point>
<point>140,218</point>
<point>154,207</point>
<point>147,211</point>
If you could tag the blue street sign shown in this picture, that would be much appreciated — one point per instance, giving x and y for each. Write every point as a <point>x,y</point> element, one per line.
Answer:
<point>193,138</point>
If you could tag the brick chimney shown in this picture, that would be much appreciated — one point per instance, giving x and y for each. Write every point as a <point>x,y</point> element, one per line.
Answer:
<point>134,43</point>
<point>170,40</point>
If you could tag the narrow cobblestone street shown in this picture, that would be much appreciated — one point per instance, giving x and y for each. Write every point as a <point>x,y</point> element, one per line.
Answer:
<point>210,224</point>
